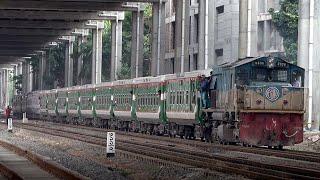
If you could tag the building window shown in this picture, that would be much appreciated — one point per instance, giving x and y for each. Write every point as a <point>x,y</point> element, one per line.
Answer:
<point>172,36</point>
<point>220,9</point>
<point>190,31</point>
<point>219,52</point>
<point>189,64</point>
<point>195,62</point>
<point>196,22</point>
<point>172,65</point>
<point>174,5</point>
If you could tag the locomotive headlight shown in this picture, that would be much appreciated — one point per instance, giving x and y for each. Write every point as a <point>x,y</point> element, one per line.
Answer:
<point>259,90</point>
<point>285,91</point>
<point>271,63</point>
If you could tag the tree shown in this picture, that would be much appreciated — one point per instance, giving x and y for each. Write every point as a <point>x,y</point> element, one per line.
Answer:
<point>56,54</point>
<point>147,44</point>
<point>17,80</point>
<point>286,22</point>
<point>56,58</point>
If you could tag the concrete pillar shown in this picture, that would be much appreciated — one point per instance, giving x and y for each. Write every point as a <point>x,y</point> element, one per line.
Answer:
<point>158,38</point>
<point>192,40</point>
<point>26,78</point>
<point>316,66</point>
<point>29,78</point>
<point>137,44</point>
<point>309,43</point>
<point>248,29</point>
<point>96,55</point>
<point>4,88</point>
<point>267,33</point>
<point>68,69</point>
<point>7,82</point>
<point>207,14</point>
<point>1,89</point>
<point>42,70</point>
<point>80,61</point>
<point>116,51</point>
<point>19,69</point>
<point>15,73</point>
<point>182,36</point>
<point>303,50</point>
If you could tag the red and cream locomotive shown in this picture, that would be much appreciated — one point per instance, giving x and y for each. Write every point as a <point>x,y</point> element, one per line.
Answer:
<point>257,101</point>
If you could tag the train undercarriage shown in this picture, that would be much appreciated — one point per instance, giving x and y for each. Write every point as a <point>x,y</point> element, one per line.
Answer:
<point>278,129</point>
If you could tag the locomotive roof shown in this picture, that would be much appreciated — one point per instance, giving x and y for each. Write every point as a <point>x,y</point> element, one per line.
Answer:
<point>249,60</point>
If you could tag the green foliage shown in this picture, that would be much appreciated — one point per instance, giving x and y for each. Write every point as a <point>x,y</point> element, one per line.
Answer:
<point>286,22</point>
<point>56,60</point>
<point>125,72</point>
<point>147,44</point>
<point>17,80</point>
<point>85,50</point>
<point>106,51</point>
<point>57,56</point>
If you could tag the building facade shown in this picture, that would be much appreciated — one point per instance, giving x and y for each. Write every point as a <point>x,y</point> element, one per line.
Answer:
<point>203,33</point>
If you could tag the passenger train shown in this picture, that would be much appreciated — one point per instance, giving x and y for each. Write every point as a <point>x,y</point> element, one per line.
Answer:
<point>255,101</point>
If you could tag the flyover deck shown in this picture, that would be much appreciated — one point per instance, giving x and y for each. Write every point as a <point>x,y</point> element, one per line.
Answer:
<point>14,166</point>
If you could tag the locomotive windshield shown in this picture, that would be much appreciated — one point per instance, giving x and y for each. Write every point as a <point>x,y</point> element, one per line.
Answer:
<point>270,75</point>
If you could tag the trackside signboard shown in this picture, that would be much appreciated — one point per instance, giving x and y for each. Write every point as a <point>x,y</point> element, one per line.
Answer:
<point>111,144</point>
<point>10,124</point>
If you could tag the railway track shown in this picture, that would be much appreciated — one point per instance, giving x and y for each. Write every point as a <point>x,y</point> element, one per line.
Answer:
<point>49,166</point>
<point>289,154</point>
<point>199,159</point>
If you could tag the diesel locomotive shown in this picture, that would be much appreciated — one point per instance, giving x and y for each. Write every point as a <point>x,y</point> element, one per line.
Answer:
<point>255,101</point>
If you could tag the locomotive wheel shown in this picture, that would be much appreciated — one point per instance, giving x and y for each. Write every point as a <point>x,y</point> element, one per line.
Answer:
<point>244,144</point>
<point>186,135</point>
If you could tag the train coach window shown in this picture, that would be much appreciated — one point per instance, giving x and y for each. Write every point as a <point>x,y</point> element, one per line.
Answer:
<point>280,75</point>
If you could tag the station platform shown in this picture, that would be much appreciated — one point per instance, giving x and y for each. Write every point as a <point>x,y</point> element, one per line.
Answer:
<point>21,167</point>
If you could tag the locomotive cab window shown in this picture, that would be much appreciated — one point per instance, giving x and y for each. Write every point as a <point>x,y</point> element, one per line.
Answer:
<point>297,78</point>
<point>270,75</point>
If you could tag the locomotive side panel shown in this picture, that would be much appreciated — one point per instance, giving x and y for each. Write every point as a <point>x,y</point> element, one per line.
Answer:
<point>181,100</point>
<point>103,102</point>
<point>73,103</point>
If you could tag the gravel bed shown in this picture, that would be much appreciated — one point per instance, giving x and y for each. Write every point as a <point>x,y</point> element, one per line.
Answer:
<point>311,142</point>
<point>271,160</point>
<point>89,160</point>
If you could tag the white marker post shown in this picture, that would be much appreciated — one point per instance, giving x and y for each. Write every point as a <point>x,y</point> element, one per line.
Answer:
<point>111,144</point>
<point>24,119</point>
<point>10,126</point>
